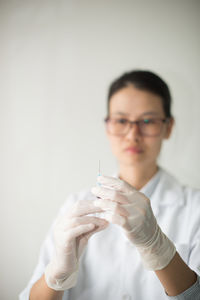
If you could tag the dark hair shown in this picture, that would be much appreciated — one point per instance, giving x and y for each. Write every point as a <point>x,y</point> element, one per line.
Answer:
<point>143,80</point>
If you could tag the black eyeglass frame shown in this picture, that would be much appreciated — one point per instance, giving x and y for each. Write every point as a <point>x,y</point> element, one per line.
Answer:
<point>163,120</point>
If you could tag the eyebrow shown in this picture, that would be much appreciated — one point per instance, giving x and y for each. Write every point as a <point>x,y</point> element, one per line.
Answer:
<point>152,113</point>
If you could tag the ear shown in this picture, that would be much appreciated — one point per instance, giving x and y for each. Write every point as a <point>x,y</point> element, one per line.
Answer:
<point>169,128</point>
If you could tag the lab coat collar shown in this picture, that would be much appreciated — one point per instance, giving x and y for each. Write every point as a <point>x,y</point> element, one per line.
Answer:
<point>150,186</point>
<point>168,191</point>
<point>163,189</point>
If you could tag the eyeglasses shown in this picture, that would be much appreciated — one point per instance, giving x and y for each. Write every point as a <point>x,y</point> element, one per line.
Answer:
<point>147,127</point>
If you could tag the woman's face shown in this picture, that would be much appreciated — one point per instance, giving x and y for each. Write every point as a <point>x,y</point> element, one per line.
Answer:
<point>135,148</point>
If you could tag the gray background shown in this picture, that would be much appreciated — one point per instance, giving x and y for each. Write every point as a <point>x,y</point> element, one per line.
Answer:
<point>57,59</point>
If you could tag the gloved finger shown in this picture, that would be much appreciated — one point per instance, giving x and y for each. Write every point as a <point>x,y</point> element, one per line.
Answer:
<point>66,223</point>
<point>98,222</point>
<point>79,230</point>
<point>114,207</point>
<point>95,230</point>
<point>115,183</point>
<point>83,239</point>
<point>107,193</point>
<point>83,207</point>
<point>115,219</point>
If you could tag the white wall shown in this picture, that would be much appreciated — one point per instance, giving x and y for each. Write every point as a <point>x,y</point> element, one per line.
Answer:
<point>57,60</point>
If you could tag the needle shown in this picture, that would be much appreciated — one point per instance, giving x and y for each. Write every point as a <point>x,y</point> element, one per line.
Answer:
<point>99,174</point>
<point>99,169</point>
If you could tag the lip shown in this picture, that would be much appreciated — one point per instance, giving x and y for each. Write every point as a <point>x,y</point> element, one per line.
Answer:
<point>133,150</point>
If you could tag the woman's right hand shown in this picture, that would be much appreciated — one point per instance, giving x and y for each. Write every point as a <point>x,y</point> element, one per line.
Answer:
<point>71,234</point>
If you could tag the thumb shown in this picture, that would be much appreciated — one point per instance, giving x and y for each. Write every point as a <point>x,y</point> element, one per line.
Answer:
<point>116,184</point>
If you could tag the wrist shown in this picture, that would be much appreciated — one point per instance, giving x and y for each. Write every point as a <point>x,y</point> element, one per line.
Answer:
<point>157,253</point>
<point>60,281</point>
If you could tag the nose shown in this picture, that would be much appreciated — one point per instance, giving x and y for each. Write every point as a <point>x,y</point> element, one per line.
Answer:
<point>134,131</point>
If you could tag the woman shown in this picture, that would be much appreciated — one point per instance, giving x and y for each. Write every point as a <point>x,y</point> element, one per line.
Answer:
<point>128,255</point>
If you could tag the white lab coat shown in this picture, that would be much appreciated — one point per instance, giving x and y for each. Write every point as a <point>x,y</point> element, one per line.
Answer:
<point>111,268</point>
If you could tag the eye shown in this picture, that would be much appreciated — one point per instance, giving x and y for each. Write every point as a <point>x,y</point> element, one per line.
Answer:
<point>121,121</point>
<point>148,121</point>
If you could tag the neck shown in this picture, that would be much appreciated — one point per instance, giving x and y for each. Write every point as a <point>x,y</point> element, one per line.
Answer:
<point>137,176</point>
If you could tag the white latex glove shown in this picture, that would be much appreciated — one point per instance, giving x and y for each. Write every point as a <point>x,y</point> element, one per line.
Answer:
<point>71,234</point>
<point>125,206</point>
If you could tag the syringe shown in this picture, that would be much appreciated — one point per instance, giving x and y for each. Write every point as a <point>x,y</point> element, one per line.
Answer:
<point>99,169</point>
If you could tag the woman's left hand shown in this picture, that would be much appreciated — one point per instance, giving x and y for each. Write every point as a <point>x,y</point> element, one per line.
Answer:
<point>125,206</point>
